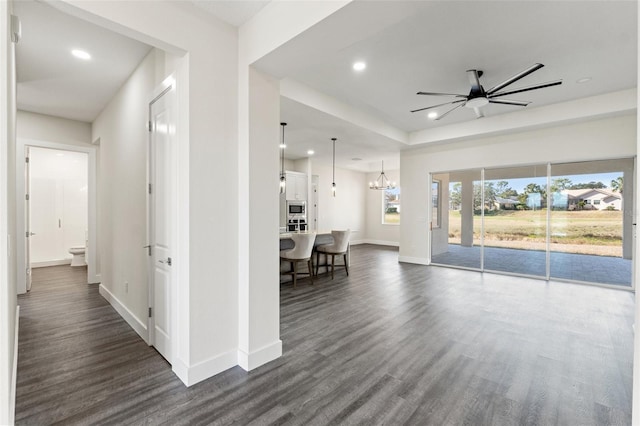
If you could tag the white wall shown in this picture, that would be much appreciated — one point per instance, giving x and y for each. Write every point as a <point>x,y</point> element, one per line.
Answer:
<point>8,299</point>
<point>597,139</point>
<point>123,182</point>
<point>259,300</point>
<point>58,204</point>
<point>376,231</point>
<point>53,129</point>
<point>347,209</point>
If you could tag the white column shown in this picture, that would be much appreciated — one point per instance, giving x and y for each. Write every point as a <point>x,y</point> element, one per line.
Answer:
<point>259,289</point>
<point>466,212</point>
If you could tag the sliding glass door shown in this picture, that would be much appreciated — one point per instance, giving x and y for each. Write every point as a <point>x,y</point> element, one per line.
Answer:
<point>515,220</point>
<point>591,221</point>
<point>570,221</point>
<point>456,239</point>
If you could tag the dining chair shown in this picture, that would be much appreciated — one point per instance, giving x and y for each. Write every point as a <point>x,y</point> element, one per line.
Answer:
<point>301,252</point>
<point>339,247</point>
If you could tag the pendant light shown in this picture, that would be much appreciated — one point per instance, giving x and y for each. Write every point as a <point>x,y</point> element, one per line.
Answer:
<point>283,175</point>
<point>333,184</point>
<point>382,182</point>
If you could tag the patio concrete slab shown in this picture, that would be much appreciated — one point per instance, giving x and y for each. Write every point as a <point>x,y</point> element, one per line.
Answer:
<point>570,266</point>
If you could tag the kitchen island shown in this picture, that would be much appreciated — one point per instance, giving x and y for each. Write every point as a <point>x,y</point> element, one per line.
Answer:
<point>286,242</point>
<point>322,237</point>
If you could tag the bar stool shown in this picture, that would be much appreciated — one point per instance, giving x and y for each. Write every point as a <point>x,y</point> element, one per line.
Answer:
<point>300,252</point>
<point>339,247</point>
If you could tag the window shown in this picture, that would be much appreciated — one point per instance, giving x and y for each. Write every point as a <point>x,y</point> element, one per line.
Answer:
<point>435,204</point>
<point>596,202</point>
<point>391,206</point>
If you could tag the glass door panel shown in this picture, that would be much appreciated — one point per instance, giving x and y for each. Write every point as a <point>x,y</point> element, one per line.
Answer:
<point>591,221</point>
<point>515,220</point>
<point>456,240</point>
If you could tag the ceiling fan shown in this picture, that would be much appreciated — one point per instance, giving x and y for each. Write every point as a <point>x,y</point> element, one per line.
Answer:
<point>478,97</point>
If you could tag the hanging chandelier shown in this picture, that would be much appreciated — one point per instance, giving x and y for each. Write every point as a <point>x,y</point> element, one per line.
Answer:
<point>283,175</point>
<point>382,182</point>
<point>333,184</point>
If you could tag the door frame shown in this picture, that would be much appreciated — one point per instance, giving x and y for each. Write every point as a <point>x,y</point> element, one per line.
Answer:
<point>93,275</point>
<point>167,88</point>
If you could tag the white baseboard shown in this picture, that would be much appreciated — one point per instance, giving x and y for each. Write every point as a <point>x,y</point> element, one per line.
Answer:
<point>190,375</point>
<point>133,321</point>
<point>381,243</point>
<point>14,372</point>
<point>96,279</point>
<point>250,361</point>
<point>51,263</point>
<point>416,260</point>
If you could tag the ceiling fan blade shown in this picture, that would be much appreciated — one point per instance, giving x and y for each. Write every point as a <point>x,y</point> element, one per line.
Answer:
<point>450,111</point>
<point>526,89</point>
<point>508,102</point>
<point>439,105</point>
<point>479,113</point>
<point>515,78</point>
<point>474,79</point>
<point>441,94</point>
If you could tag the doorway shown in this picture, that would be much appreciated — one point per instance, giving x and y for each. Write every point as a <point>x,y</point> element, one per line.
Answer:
<point>58,224</point>
<point>58,211</point>
<point>162,216</point>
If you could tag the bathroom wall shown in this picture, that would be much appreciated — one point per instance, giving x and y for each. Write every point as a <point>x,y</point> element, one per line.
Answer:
<point>59,208</point>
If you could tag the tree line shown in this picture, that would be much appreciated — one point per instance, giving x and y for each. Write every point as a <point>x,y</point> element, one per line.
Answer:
<point>502,189</point>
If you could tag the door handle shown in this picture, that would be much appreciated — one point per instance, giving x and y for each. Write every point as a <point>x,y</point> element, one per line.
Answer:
<point>32,233</point>
<point>168,261</point>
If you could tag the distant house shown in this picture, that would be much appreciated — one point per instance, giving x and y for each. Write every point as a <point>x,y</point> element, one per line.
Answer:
<point>588,199</point>
<point>393,206</point>
<point>505,203</point>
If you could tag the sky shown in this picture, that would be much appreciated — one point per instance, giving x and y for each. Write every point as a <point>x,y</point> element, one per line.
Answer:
<point>606,178</point>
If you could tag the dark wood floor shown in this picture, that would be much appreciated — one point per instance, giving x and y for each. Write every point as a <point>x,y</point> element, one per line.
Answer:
<point>391,344</point>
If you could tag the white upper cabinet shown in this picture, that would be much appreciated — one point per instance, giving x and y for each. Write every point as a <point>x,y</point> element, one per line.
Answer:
<point>296,186</point>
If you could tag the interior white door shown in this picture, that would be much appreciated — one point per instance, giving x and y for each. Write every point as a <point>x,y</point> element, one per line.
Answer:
<point>162,130</point>
<point>27,211</point>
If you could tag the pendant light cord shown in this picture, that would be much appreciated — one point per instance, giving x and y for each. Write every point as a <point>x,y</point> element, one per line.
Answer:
<point>282,151</point>
<point>334,160</point>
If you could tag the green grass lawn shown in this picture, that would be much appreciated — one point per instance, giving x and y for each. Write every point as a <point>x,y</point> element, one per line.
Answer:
<point>392,218</point>
<point>587,228</point>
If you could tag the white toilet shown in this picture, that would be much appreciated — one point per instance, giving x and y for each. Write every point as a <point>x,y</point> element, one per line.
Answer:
<point>78,256</point>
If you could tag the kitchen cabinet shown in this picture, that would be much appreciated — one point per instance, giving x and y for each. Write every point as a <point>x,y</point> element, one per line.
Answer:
<point>296,186</point>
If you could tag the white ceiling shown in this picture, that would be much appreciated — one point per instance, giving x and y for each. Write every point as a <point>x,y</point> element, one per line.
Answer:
<point>51,81</point>
<point>235,12</point>
<point>409,46</point>
<point>428,45</point>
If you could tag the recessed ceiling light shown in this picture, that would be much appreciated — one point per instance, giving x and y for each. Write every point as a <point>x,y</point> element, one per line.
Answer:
<point>359,66</point>
<point>583,80</point>
<point>311,152</point>
<point>81,54</point>
<point>432,115</point>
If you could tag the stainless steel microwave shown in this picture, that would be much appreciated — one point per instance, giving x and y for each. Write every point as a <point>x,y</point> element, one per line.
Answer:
<point>296,207</point>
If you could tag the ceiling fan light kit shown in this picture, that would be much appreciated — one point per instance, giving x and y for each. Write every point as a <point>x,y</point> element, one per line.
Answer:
<point>478,97</point>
